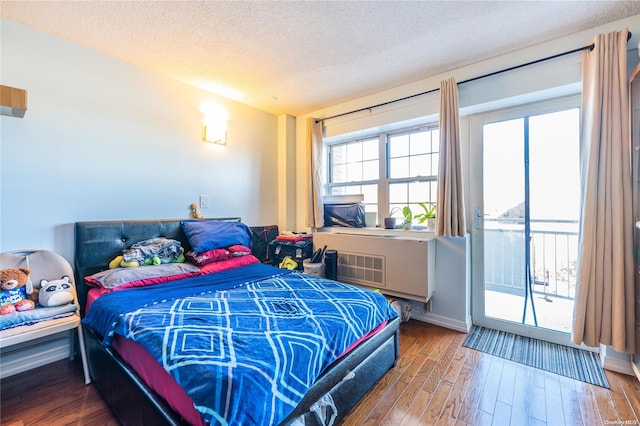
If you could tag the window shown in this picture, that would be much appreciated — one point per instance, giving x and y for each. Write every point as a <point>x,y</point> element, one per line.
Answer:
<point>413,167</point>
<point>392,169</point>
<point>354,168</point>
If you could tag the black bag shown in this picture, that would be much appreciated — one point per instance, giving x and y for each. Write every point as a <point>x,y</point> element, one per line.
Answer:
<point>347,215</point>
<point>262,236</point>
<point>298,251</point>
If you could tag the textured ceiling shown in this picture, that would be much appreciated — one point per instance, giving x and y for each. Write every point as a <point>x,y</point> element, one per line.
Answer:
<point>299,56</point>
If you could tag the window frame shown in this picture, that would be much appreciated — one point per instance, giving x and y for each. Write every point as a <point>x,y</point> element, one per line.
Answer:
<point>384,181</point>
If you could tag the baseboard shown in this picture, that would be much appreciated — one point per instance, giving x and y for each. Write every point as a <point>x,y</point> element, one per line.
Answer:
<point>441,321</point>
<point>614,361</point>
<point>17,359</point>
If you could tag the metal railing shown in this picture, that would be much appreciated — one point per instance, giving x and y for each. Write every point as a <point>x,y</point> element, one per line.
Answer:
<point>554,254</point>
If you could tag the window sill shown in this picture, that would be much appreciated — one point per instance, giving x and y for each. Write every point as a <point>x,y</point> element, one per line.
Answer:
<point>380,232</point>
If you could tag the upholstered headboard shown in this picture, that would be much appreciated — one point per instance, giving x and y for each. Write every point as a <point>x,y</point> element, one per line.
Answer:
<point>96,243</point>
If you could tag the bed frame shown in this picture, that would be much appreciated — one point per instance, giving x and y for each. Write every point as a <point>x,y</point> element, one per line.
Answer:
<point>134,403</point>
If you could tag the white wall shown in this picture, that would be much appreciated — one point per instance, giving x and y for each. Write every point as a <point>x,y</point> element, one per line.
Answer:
<point>556,77</point>
<point>105,140</point>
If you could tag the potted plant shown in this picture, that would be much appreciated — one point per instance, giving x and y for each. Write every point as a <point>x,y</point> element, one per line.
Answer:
<point>407,222</point>
<point>429,215</point>
<point>390,221</point>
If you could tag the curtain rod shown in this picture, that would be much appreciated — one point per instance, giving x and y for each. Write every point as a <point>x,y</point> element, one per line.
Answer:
<point>557,55</point>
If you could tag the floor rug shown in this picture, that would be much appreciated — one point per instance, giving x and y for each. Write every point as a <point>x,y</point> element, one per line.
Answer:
<point>570,362</point>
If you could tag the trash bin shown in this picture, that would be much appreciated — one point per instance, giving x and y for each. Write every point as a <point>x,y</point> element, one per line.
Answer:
<point>316,269</point>
<point>331,264</point>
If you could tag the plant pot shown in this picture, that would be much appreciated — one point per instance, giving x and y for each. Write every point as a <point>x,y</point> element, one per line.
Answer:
<point>431,225</point>
<point>389,222</point>
<point>407,226</point>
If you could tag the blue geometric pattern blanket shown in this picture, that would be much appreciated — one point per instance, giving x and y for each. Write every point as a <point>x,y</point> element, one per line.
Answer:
<point>247,353</point>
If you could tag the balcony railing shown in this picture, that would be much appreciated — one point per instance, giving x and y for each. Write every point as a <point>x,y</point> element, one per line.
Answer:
<point>554,254</point>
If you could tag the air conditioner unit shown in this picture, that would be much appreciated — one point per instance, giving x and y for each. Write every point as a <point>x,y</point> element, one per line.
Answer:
<point>402,267</point>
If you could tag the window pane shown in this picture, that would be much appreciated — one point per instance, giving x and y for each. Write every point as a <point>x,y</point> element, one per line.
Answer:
<point>370,170</point>
<point>554,165</point>
<point>420,143</point>
<point>339,173</point>
<point>399,167</point>
<point>435,159</point>
<point>347,164</point>
<point>339,154</point>
<point>370,149</point>
<point>411,154</point>
<point>337,190</point>
<point>370,193</point>
<point>419,165</point>
<point>503,197</point>
<point>354,152</point>
<point>354,172</point>
<point>398,193</point>
<point>399,145</point>
<point>419,192</point>
<point>352,189</point>
<point>397,210</point>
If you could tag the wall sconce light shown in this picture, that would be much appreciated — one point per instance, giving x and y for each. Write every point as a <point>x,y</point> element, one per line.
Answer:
<point>214,131</point>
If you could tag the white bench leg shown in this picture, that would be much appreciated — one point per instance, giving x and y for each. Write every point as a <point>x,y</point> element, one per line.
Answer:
<point>83,355</point>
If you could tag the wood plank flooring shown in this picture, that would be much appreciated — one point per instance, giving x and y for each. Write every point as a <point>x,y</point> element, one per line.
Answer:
<point>436,381</point>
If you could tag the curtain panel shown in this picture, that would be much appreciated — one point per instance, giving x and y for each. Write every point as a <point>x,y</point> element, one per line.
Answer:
<point>604,305</point>
<point>315,206</point>
<point>450,220</point>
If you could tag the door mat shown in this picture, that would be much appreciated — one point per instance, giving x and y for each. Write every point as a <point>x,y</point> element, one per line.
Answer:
<point>574,363</point>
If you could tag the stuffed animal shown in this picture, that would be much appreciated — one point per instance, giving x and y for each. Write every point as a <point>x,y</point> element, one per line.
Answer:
<point>288,263</point>
<point>119,262</point>
<point>55,292</point>
<point>17,293</point>
<point>195,212</point>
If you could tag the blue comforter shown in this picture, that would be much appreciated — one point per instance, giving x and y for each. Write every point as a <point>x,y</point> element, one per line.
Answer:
<point>245,344</point>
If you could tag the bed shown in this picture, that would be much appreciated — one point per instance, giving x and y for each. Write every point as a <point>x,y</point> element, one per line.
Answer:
<point>147,381</point>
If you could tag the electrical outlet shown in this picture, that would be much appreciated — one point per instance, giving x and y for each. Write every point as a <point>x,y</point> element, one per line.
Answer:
<point>204,201</point>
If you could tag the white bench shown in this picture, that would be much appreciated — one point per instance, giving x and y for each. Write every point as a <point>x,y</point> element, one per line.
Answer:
<point>48,265</point>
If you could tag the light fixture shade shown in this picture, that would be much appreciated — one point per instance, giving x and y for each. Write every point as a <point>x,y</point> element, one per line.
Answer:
<point>214,134</point>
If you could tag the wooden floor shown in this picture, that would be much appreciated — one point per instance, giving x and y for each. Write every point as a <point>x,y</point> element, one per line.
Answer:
<point>436,381</point>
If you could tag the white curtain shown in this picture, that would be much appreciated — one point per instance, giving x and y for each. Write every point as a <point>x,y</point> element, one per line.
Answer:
<point>315,207</point>
<point>604,305</point>
<point>450,203</point>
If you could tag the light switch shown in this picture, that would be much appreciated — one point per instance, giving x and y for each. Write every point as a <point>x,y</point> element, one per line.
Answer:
<point>204,201</point>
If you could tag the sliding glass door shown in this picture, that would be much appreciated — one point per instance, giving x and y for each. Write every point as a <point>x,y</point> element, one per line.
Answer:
<point>525,236</point>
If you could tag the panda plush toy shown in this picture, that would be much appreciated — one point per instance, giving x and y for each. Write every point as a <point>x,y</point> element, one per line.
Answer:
<point>55,292</point>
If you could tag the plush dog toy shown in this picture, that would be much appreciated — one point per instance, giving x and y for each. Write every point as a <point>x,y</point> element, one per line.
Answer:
<point>17,293</point>
<point>55,292</point>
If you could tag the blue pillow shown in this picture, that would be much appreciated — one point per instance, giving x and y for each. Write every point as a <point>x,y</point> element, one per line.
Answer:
<point>205,235</point>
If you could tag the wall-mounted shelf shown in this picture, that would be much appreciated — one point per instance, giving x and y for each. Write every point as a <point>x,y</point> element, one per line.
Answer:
<point>13,101</point>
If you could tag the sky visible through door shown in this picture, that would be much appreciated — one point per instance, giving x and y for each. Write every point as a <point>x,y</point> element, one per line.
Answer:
<point>552,164</point>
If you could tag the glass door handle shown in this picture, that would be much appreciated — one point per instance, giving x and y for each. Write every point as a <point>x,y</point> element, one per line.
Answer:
<point>477,220</point>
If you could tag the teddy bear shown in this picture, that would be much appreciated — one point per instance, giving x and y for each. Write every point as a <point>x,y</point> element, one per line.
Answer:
<point>55,292</point>
<point>16,291</point>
